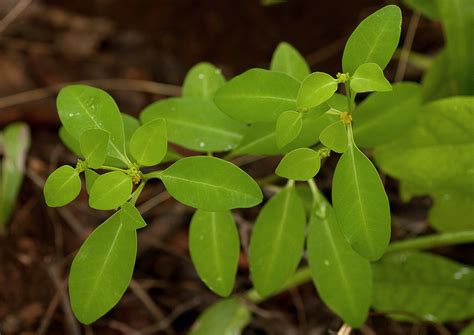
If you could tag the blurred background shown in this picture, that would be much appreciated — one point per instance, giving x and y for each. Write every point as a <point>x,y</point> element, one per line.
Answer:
<point>46,43</point>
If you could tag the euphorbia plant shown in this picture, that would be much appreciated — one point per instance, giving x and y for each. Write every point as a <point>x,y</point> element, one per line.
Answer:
<point>282,111</point>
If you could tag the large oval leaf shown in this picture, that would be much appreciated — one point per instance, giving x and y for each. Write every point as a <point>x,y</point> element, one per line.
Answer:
<point>277,241</point>
<point>214,246</point>
<point>211,184</point>
<point>361,204</point>
<point>258,96</point>
<point>203,80</point>
<point>81,108</point>
<point>430,287</point>
<point>287,59</point>
<point>196,124</point>
<point>102,269</point>
<point>62,186</point>
<point>374,40</point>
<point>226,317</point>
<point>342,277</point>
<point>110,190</point>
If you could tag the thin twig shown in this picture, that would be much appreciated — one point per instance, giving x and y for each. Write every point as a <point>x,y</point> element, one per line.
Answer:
<point>123,328</point>
<point>407,44</point>
<point>153,202</point>
<point>48,315</point>
<point>143,296</point>
<point>14,13</point>
<point>144,86</point>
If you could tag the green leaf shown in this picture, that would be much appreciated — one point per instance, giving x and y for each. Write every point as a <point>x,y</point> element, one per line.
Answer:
<point>215,248</point>
<point>339,102</point>
<point>149,143</point>
<point>196,124</point>
<point>260,139</point>
<point>81,108</point>
<point>288,127</point>
<point>102,269</point>
<point>94,143</point>
<point>211,184</point>
<point>62,186</point>
<point>171,155</point>
<point>342,277</point>
<point>277,241</point>
<point>131,217</point>
<point>91,177</point>
<point>110,190</point>
<point>299,164</point>
<point>16,142</point>
<point>227,317</point>
<point>382,117</point>
<point>315,89</point>
<point>369,78</point>
<point>360,203</point>
<point>374,40</point>
<point>70,142</point>
<point>431,287</point>
<point>287,59</point>
<point>334,137</point>
<point>468,330</point>
<point>258,96</point>
<point>427,8</point>
<point>202,81</point>
<point>424,156</point>
<point>452,211</point>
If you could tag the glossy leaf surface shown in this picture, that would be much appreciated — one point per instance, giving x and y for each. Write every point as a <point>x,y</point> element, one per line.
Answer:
<point>277,241</point>
<point>203,80</point>
<point>369,78</point>
<point>374,40</point>
<point>110,190</point>
<point>342,277</point>
<point>148,144</point>
<point>430,287</point>
<point>196,124</point>
<point>361,204</point>
<point>299,164</point>
<point>288,60</point>
<point>288,127</point>
<point>215,248</point>
<point>315,89</point>
<point>102,269</point>
<point>211,184</point>
<point>258,96</point>
<point>62,186</point>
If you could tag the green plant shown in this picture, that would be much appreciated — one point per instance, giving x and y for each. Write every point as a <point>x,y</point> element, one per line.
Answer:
<point>282,111</point>
<point>14,144</point>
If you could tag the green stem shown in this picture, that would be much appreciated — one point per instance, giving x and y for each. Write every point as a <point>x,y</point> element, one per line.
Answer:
<point>350,98</point>
<point>303,275</point>
<point>152,175</point>
<point>112,168</point>
<point>136,193</point>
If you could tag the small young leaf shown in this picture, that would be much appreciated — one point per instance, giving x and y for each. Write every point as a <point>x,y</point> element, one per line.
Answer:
<point>91,177</point>
<point>369,78</point>
<point>361,204</point>
<point>196,124</point>
<point>299,164</point>
<point>102,269</point>
<point>94,143</point>
<point>70,142</point>
<point>431,287</point>
<point>214,247</point>
<point>81,108</point>
<point>334,137</point>
<point>131,217</point>
<point>277,241</point>
<point>211,184</point>
<point>382,117</point>
<point>227,317</point>
<point>287,59</point>
<point>374,40</point>
<point>110,190</point>
<point>202,81</point>
<point>315,89</point>
<point>288,127</point>
<point>342,277</point>
<point>62,186</point>
<point>149,143</point>
<point>258,96</point>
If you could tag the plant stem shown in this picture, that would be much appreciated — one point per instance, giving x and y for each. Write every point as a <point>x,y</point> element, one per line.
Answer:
<point>137,192</point>
<point>350,98</point>
<point>153,174</point>
<point>303,275</point>
<point>112,168</point>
